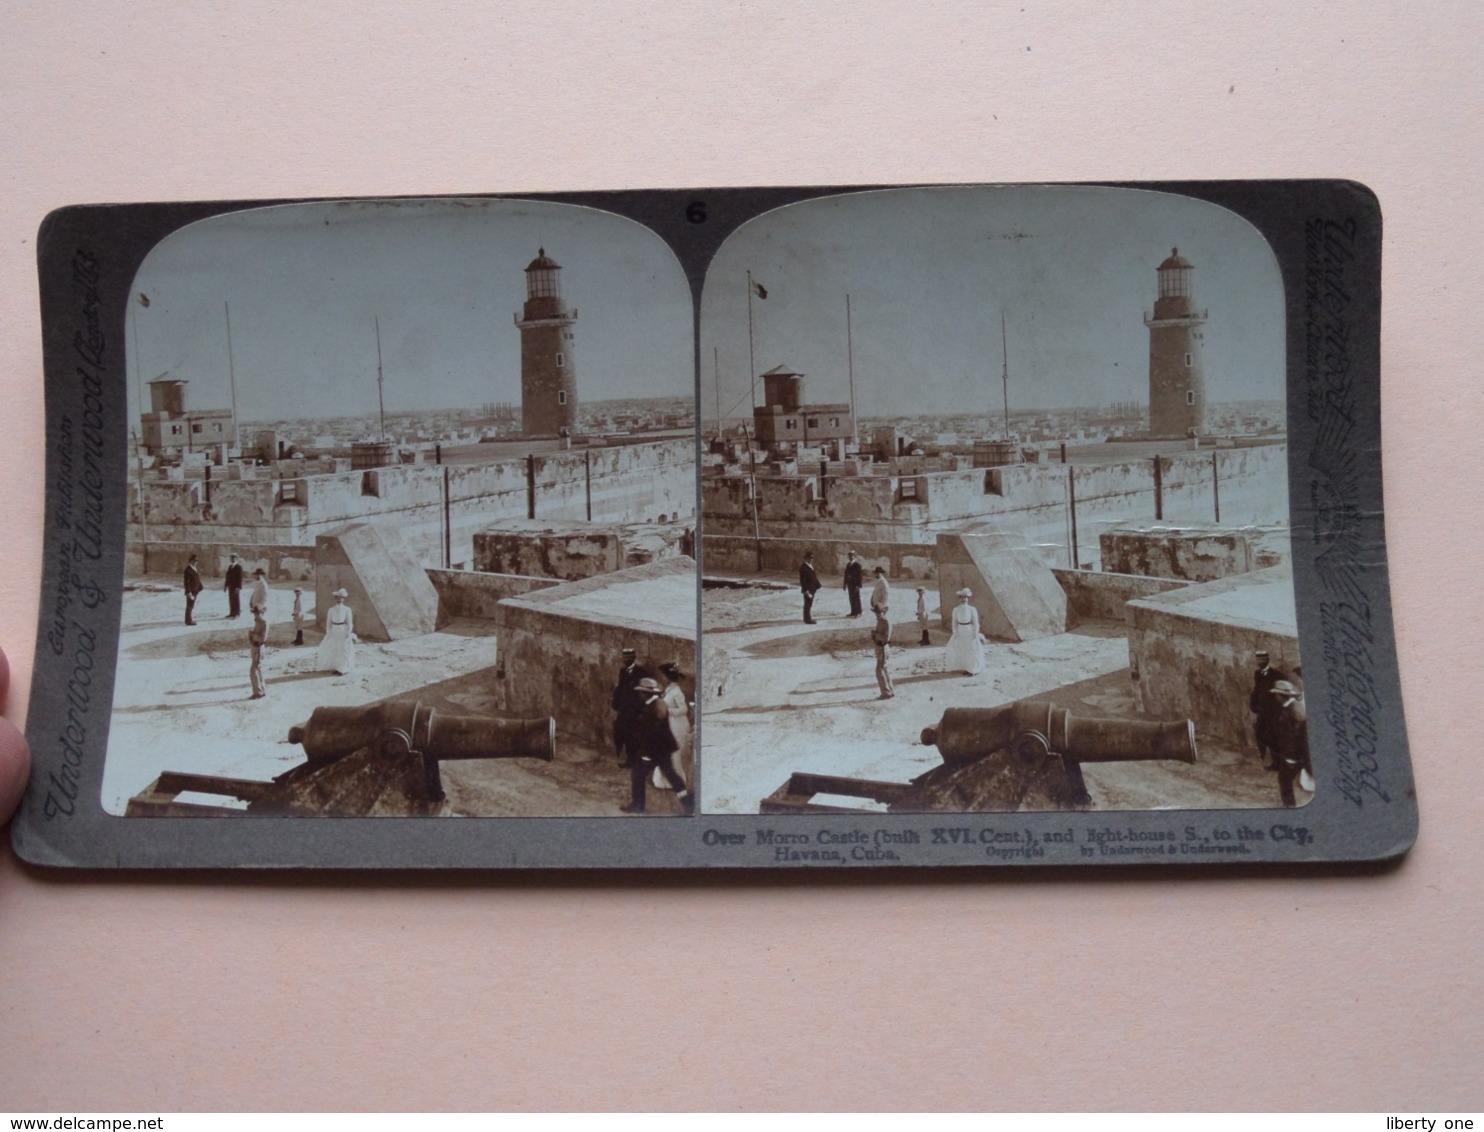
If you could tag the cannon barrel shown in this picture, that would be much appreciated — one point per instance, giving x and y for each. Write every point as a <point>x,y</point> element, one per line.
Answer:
<point>334,732</point>
<point>1030,726</point>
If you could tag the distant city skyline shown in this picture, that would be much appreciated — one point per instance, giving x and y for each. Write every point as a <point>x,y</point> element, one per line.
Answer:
<point>593,405</point>
<point>930,271</point>
<point>306,284</point>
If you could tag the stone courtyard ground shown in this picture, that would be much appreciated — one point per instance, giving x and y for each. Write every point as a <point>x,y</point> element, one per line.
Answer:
<point>793,698</point>
<point>181,703</point>
<point>796,697</point>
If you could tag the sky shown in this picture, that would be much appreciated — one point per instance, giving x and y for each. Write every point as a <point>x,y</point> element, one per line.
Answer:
<point>305,284</point>
<point>929,272</point>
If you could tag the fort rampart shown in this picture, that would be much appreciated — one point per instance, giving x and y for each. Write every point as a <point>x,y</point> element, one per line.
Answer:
<point>629,484</point>
<point>1246,486</point>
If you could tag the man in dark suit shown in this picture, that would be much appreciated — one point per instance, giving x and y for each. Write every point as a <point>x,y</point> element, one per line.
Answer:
<point>654,742</point>
<point>233,586</point>
<point>193,588</point>
<point>1290,740</point>
<point>627,705</point>
<point>809,585</point>
<point>1264,707</point>
<point>854,579</point>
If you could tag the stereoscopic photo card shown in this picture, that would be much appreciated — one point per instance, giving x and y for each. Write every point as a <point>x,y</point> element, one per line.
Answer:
<point>788,528</point>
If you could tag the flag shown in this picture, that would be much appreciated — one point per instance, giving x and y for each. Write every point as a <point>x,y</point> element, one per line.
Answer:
<point>762,292</point>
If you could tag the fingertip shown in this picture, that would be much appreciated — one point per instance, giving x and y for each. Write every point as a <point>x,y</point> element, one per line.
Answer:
<point>15,768</point>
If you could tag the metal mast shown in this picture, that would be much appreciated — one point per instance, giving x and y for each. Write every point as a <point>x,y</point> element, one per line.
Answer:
<point>380,395</point>
<point>232,376</point>
<point>850,367</point>
<point>1005,371</point>
<point>751,360</point>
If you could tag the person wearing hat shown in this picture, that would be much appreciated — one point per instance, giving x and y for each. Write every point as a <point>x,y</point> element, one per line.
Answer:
<point>808,585</point>
<point>233,586</point>
<point>626,704</point>
<point>298,615</point>
<point>678,706</point>
<point>922,615</point>
<point>880,592</point>
<point>854,579</point>
<point>193,588</point>
<point>257,637</point>
<point>881,641</point>
<point>257,601</point>
<point>965,651</point>
<point>654,744</point>
<point>1290,740</point>
<point>1264,707</point>
<point>337,652</point>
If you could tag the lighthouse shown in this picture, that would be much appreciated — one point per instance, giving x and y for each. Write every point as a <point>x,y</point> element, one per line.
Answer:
<point>548,375</point>
<point>1177,381</point>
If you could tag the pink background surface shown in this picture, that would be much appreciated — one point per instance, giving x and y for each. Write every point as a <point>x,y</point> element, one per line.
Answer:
<point>1024,991</point>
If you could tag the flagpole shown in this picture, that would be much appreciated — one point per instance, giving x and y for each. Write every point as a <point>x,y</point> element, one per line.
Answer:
<point>751,359</point>
<point>138,369</point>
<point>232,375</point>
<point>380,396</point>
<point>1005,372</point>
<point>716,375</point>
<point>850,366</point>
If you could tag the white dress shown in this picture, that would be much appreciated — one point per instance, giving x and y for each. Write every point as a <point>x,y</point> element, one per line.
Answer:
<point>965,651</point>
<point>679,709</point>
<point>337,652</point>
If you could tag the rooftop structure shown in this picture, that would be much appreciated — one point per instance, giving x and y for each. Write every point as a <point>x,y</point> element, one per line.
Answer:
<point>784,418</point>
<point>170,426</point>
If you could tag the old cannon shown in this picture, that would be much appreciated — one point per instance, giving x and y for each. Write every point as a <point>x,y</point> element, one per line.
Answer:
<point>377,760</point>
<point>1025,755</point>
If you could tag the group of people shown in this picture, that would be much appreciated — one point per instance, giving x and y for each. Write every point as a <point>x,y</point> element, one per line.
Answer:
<point>337,650</point>
<point>965,651</point>
<point>652,730</point>
<point>232,584</point>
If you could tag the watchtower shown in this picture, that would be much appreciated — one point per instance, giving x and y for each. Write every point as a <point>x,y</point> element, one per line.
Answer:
<point>548,374</point>
<point>1177,380</point>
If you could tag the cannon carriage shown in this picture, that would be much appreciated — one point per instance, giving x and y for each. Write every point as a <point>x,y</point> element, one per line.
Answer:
<point>380,760</point>
<point>1025,755</point>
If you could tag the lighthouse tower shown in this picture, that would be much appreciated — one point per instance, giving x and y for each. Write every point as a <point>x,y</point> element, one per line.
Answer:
<point>548,375</point>
<point>1177,381</point>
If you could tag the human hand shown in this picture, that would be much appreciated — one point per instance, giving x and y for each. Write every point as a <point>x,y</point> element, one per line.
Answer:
<point>15,755</point>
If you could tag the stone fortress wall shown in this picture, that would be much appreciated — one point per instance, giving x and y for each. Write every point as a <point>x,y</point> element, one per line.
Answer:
<point>876,514</point>
<point>274,522</point>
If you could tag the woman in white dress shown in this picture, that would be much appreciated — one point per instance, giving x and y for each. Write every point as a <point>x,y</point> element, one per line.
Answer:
<point>679,709</point>
<point>337,652</point>
<point>965,651</point>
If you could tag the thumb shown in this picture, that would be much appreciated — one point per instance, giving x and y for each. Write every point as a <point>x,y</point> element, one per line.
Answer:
<point>15,755</point>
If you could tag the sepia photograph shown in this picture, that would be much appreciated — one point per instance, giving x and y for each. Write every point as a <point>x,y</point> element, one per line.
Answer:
<point>995,499</point>
<point>975,524</point>
<point>411,516</point>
